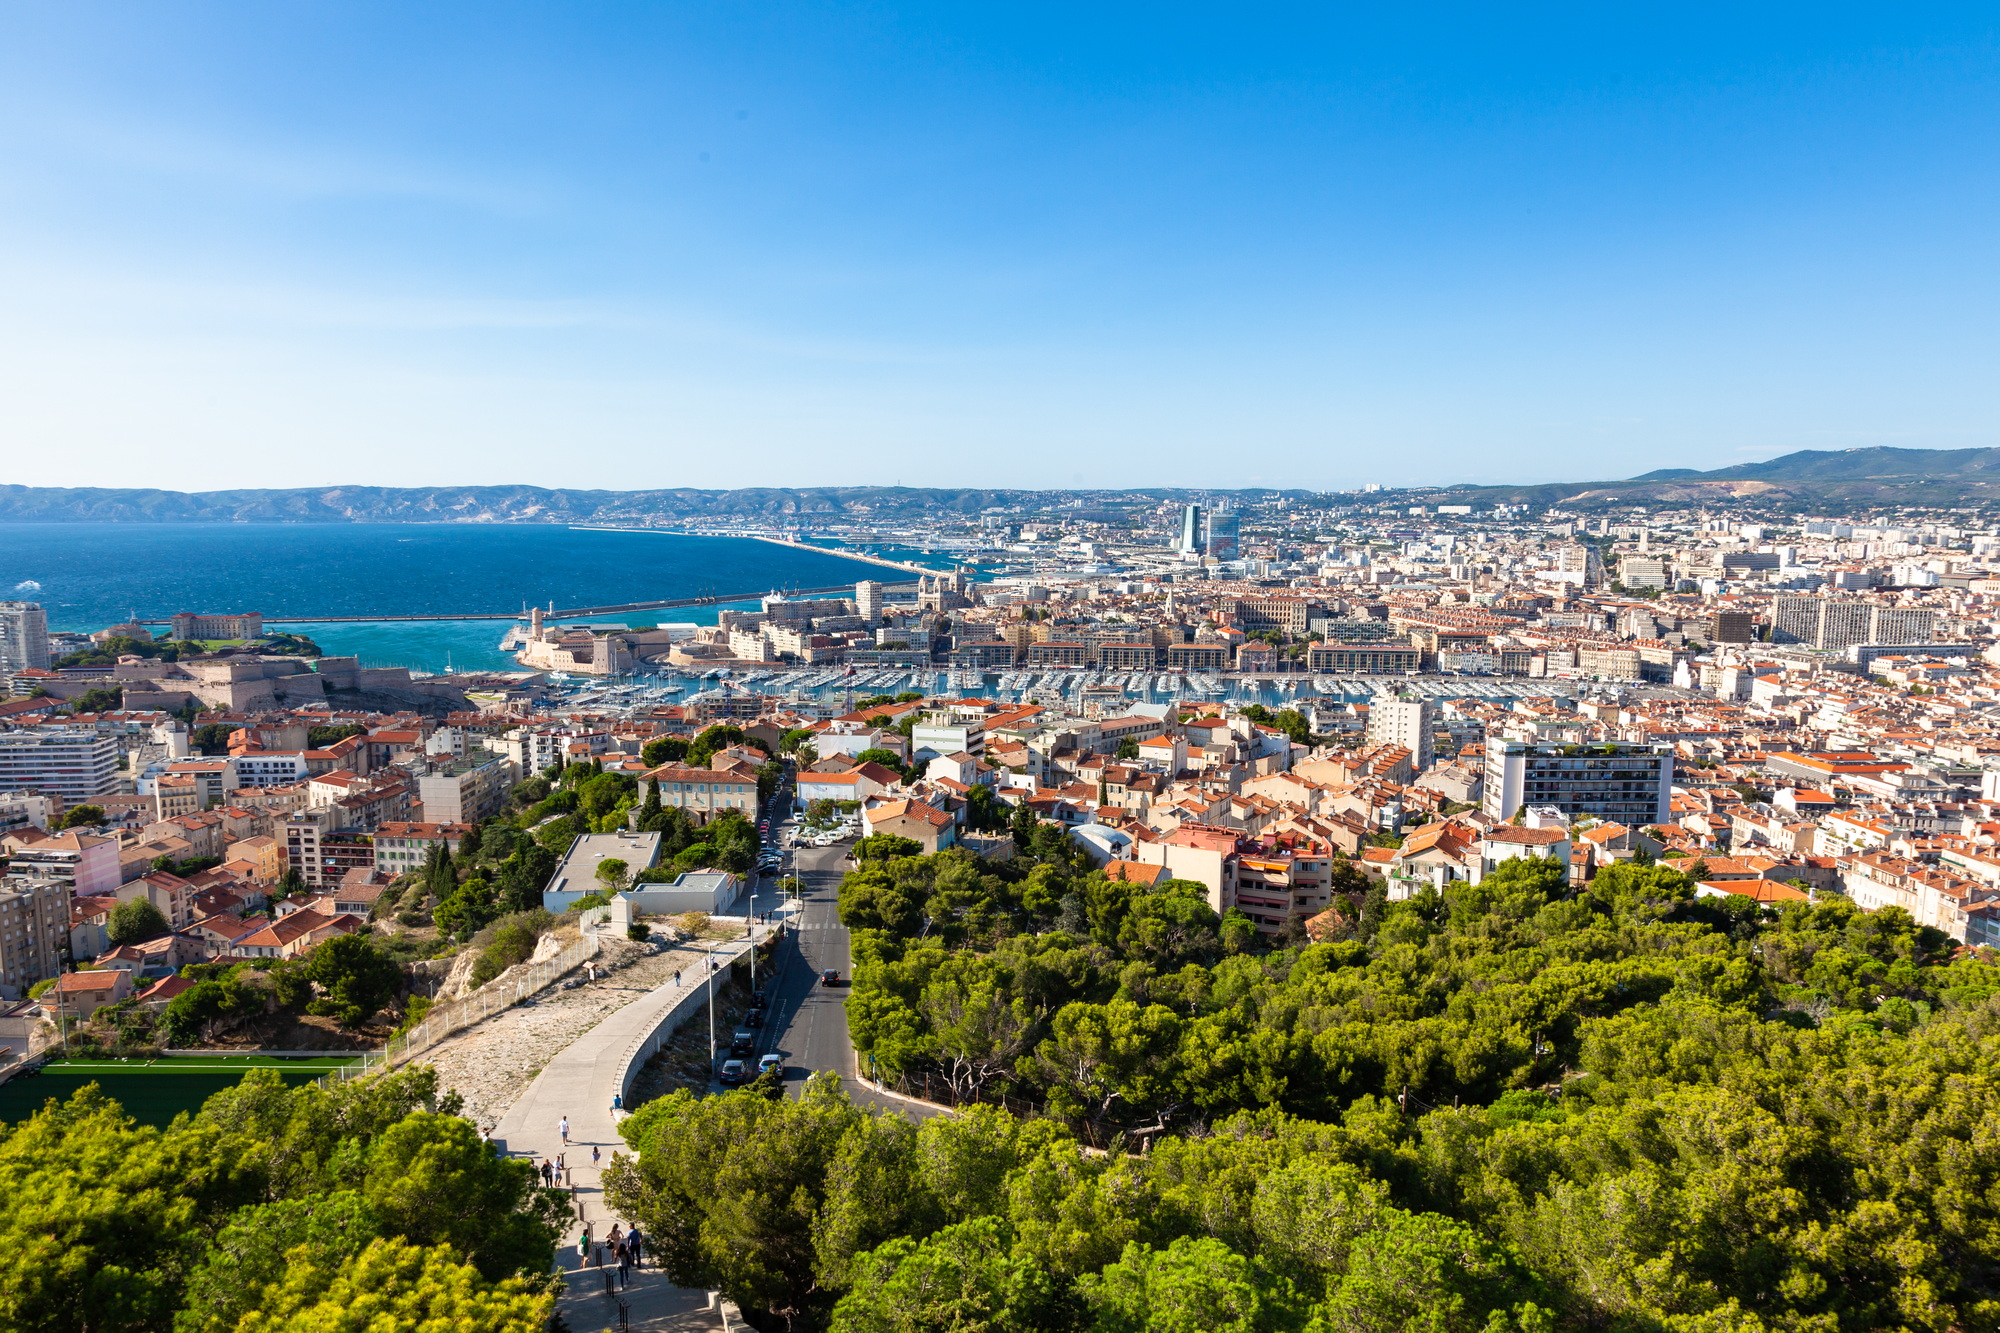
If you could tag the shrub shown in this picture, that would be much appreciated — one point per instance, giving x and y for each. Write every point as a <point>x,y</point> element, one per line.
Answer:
<point>506,942</point>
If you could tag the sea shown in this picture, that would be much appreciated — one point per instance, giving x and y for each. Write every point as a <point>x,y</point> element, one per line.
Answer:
<point>89,575</point>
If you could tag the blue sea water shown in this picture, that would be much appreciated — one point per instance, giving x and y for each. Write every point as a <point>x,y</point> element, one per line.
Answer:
<point>89,575</point>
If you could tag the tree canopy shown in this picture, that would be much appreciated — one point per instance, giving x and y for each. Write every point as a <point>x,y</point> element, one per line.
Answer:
<point>369,1204</point>
<point>1504,1106</point>
<point>135,921</point>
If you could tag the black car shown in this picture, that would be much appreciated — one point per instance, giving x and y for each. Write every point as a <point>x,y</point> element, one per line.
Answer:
<point>742,1041</point>
<point>733,1073</point>
<point>754,1018</point>
<point>830,977</point>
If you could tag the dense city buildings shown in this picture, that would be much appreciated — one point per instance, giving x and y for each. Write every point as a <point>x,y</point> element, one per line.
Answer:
<point>1243,692</point>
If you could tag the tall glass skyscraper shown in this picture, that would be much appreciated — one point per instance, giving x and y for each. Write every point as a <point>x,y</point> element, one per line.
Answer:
<point>1194,537</point>
<point>1224,543</point>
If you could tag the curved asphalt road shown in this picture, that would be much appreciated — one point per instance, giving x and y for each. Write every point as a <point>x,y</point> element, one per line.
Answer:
<point>808,1024</point>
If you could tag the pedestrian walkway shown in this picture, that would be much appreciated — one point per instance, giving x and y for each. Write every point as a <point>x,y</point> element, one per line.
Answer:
<point>578,1084</point>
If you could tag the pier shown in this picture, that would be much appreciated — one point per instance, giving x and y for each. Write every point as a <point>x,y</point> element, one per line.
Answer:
<point>787,542</point>
<point>566,613</point>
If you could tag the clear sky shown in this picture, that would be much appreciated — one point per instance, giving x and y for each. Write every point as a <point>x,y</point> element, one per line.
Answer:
<point>749,242</point>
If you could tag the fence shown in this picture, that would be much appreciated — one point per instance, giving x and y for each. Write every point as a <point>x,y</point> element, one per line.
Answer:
<point>445,1019</point>
<point>646,1045</point>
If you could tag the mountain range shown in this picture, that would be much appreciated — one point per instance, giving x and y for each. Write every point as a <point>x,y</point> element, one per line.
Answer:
<point>1810,477</point>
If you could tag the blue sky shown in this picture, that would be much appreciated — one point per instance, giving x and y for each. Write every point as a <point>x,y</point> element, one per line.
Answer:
<point>755,243</point>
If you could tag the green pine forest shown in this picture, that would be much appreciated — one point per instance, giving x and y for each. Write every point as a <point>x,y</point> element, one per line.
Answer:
<point>369,1205</point>
<point>1501,1107</point>
<point>1515,1106</point>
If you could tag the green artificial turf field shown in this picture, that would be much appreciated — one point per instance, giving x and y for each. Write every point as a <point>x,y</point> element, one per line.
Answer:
<point>152,1091</point>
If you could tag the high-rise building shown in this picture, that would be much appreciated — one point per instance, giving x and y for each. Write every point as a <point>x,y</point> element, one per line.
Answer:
<point>1224,534</point>
<point>1627,784</point>
<point>24,636</point>
<point>1581,558</point>
<point>75,765</point>
<point>868,601</point>
<point>1194,536</point>
<point>1404,722</point>
<point>34,921</point>
<point>1836,623</point>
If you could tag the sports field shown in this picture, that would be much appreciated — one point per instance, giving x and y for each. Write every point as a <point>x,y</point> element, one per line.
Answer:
<point>156,1090</point>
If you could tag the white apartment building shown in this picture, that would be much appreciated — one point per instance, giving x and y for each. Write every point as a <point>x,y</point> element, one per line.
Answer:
<point>75,765</point>
<point>1404,722</point>
<point>24,637</point>
<point>1626,784</point>
<point>466,790</point>
<point>1832,622</point>
<point>262,768</point>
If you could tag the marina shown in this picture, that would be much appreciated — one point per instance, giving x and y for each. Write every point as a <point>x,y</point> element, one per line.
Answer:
<point>827,691</point>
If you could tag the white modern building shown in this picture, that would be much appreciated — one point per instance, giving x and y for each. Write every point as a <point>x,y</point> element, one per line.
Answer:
<point>1626,784</point>
<point>75,765</point>
<point>1404,722</point>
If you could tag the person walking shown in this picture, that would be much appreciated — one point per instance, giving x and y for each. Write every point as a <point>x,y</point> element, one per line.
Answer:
<point>677,976</point>
<point>624,1262</point>
<point>636,1243</point>
<point>593,1154</point>
<point>564,1127</point>
<point>583,1246</point>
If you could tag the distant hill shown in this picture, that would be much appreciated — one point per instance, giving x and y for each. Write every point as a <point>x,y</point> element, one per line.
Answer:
<point>1874,464</point>
<point>1810,478</point>
<point>1805,480</point>
<point>536,504</point>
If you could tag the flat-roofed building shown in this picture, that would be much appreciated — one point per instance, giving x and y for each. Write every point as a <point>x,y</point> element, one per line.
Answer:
<point>75,765</point>
<point>1627,784</point>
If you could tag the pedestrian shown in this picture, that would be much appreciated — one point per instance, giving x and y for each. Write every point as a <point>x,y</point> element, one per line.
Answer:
<point>624,1262</point>
<point>564,1127</point>
<point>677,976</point>
<point>637,1245</point>
<point>583,1245</point>
<point>617,1101</point>
<point>593,1154</point>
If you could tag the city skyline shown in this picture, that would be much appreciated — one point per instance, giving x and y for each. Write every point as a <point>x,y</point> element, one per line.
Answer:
<point>845,245</point>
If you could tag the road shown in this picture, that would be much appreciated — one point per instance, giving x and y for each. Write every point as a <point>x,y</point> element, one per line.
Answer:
<point>808,1023</point>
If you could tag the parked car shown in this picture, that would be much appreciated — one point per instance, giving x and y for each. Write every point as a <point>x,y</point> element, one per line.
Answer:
<point>742,1041</point>
<point>771,1064</point>
<point>733,1073</point>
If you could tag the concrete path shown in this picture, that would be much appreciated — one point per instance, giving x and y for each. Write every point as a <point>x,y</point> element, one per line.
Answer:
<point>579,1083</point>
